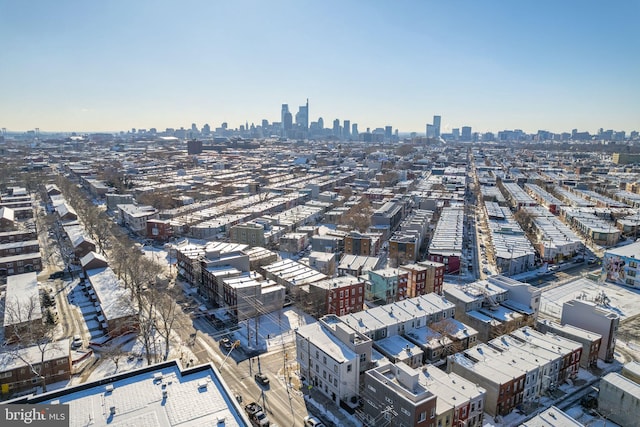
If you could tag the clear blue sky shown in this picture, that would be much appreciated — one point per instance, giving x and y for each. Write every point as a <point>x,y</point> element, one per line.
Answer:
<point>117,64</point>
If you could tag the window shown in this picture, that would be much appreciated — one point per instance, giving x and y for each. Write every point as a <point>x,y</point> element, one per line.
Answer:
<point>349,368</point>
<point>335,368</point>
<point>353,291</point>
<point>371,388</point>
<point>388,399</point>
<point>324,359</point>
<point>405,411</point>
<point>324,374</point>
<point>422,416</point>
<point>433,412</point>
<point>317,355</point>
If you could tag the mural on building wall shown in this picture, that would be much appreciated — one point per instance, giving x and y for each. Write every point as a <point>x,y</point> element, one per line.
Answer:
<point>614,267</point>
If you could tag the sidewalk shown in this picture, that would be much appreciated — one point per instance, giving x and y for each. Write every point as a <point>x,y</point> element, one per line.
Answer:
<point>328,410</point>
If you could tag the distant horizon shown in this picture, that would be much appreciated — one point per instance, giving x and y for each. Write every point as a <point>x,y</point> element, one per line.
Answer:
<point>492,65</point>
<point>400,132</point>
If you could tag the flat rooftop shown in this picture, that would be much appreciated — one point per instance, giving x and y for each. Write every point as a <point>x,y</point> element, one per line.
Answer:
<point>623,301</point>
<point>194,397</point>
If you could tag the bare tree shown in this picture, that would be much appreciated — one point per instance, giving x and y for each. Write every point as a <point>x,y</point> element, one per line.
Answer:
<point>96,225</point>
<point>359,216</point>
<point>28,330</point>
<point>449,329</point>
<point>121,254</point>
<point>143,273</point>
<point>167,313</point>
<point>113,352</point>
<point>147,325</point>
<point>525,219</point>
<point>346,192</point>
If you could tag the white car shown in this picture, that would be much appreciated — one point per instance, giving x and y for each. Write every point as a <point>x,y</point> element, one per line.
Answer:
<point>310,421</point>
<point>77,342</point>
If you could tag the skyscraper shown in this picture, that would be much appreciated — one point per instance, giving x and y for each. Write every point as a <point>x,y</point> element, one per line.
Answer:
<point>354,131</point>
<point>466,133</point>
<point>283,112</point>
<point>346,129</point>
<point>336,127</point>
<point>388,133</point>
<point>436,126</point>
<point>287,124</point>
<point>431,133</point>
<point>302,116</point>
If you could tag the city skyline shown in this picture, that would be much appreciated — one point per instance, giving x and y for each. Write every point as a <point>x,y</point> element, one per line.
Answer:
<point>76,66</point>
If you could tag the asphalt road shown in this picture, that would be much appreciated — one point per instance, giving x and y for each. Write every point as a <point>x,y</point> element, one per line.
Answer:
<point>283,402</point>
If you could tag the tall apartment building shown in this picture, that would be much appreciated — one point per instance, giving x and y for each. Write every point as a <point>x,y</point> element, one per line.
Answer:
<point>587,315</point>
<point>332,356</point>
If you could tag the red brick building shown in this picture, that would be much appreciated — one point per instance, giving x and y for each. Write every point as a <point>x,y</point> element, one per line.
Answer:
<point>435,276</point>
<point>17,376</point>
<point>159,230</point>
<point>339,295</point>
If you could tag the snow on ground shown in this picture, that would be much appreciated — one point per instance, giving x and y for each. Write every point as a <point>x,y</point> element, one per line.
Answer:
<point>274,329</point>
<point>159,255</point>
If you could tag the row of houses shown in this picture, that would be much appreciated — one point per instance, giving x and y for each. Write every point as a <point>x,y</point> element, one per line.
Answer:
<point>395,349</point>
<point>19,247</point>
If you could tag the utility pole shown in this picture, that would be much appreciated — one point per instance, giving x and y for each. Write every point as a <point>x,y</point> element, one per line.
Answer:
<point>235,344</point>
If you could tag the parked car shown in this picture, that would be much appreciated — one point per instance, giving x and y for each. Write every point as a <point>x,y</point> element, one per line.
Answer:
<point>56,275</point>
<point>226,343</point>
<point>252,408</point>
<point>311,421</point>
<point>76,342</point>
<point>259,419</point>
<point>256,415</point>
<point>261,378</point>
